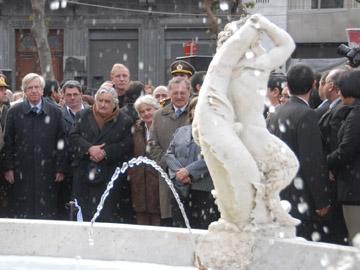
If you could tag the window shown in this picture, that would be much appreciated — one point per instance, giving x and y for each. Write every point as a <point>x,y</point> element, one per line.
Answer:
<point>315,4</point>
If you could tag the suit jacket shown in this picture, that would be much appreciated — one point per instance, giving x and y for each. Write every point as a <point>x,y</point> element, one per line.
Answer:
<point>322,108</point>
<point>344,161</point>
<point>296,124</point>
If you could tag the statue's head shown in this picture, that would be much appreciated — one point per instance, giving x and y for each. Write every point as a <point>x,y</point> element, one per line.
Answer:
<point>231,28</point>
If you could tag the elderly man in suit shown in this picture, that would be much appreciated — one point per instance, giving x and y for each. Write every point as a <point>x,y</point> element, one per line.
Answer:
<point>166,121</point>
<point>34,152</point>
<point>296,124</point>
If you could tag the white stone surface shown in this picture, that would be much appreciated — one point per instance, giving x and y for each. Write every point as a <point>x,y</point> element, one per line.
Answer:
<point>55,245</point>
<point>46,263</point>
<point>160,245</point>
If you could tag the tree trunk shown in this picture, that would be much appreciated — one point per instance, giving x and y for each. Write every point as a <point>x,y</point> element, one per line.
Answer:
<point>214,25</point>
<point>40,32</point>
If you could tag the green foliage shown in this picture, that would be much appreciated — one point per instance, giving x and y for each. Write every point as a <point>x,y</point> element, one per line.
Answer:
<point>252,4</point>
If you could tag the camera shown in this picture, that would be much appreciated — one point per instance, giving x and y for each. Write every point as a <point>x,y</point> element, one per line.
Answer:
<point>352,54</point>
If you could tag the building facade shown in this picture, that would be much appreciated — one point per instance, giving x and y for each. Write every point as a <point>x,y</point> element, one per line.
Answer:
<point>87,37</point>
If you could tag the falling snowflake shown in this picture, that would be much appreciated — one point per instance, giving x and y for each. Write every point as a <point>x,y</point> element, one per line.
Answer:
<point>224,5</point>
<point>303,207</point>
<point>60,144</point>
<point>47,119</point>
<point>298,183</point>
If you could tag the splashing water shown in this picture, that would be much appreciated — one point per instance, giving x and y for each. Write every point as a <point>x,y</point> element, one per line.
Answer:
<point>133,163</point>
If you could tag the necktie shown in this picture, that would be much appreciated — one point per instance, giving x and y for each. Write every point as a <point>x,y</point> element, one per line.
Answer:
<point>178,113</point>
<point>34,110</point>
<point>72,114</point>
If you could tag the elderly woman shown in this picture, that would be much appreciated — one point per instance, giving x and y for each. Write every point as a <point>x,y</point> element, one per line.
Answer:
<point>191,178</point>
<point>102,138</point>
<point>344,161</point>
<point>144,180</point>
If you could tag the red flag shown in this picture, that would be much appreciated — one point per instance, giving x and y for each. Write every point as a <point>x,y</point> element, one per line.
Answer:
<point>353,36</point>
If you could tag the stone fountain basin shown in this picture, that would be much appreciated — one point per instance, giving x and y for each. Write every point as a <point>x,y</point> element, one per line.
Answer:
<point>63,244</point>
<point>55,245</point>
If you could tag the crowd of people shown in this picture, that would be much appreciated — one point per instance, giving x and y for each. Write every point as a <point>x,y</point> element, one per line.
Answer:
<point>319,121</point>
<point>59,145</point>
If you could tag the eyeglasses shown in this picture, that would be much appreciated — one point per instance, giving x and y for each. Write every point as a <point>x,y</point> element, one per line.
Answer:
<point>75,95</point>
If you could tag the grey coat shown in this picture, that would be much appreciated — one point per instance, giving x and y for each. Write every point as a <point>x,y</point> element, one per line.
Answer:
<point>163,127</point>
<point>183,152</point>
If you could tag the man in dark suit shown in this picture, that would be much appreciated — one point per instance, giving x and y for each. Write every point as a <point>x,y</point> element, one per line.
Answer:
<point>73,103</point>
<point>296,124</point>
<point>34,152</point>
<point>329,124</point>
<point>332,94</point>
<point>324,105</point>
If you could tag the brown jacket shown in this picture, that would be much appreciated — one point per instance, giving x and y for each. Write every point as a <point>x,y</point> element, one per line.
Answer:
<point>163,127</point>
<point>144,179</point>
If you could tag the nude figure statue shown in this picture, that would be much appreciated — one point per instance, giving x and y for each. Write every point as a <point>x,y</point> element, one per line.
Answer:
<point>248,165</point>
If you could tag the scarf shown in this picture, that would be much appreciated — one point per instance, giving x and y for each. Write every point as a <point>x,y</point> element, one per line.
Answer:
<point>101,120</point>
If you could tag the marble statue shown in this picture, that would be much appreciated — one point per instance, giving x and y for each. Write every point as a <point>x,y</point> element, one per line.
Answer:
<point>248,165</point>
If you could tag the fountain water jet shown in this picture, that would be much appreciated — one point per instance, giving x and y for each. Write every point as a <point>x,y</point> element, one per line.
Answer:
<point>132,163</point>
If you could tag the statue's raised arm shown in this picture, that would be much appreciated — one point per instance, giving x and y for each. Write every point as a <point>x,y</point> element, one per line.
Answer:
<point>284,44</point>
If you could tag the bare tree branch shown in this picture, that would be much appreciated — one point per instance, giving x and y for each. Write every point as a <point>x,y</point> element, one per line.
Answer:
<point>39,32</point>
<point>214,26</point>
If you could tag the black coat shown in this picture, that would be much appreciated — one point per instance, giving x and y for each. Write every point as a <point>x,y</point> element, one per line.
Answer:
<point>117,137</point>
<point>34,148</point>
<point>322,108</point>
<point>344,161</point>
<point>296,124</point>
<point>329,125</point>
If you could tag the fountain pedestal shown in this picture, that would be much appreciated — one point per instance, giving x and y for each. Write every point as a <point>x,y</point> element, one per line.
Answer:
<point>225,247</point>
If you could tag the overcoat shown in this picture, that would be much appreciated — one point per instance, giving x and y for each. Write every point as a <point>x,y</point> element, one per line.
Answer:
<point>296,124</point>
<point>88,188</point>
<point>344,161</point>
<point>35,149</point>
<point>163,127</point>
<point>144,179</point>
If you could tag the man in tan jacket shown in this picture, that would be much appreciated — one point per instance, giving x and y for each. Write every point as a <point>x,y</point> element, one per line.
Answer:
<point>166,121</point>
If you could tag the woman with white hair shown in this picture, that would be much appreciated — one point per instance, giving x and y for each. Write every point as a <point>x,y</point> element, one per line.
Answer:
<point>101,137</point>
<point>144,180</point>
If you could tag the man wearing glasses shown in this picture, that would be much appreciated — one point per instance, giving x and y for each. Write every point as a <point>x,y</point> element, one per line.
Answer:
<point>73,103</point>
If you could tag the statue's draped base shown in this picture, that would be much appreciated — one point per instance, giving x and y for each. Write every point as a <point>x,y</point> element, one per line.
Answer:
<point>225,247</point>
